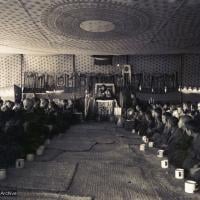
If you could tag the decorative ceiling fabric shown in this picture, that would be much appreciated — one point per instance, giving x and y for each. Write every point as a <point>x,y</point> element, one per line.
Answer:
<point>99,26</point>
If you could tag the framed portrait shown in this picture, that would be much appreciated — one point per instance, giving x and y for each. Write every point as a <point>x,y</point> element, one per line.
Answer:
<point>109,86</point>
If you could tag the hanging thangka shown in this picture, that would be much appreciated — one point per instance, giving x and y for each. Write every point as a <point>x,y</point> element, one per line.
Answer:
<point>40,81</point>
<point>60,80</point>
<point>29,80</point>
<point>50,82</point>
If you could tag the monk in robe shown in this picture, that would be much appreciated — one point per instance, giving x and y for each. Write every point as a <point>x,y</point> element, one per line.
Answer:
<point>169,132</point>
<point>2,115</point>
<point>158,128</point>
<point>7,150</point>
<point>129,99</point>
<point>138,118</point>
<point>162,137</point>
<point>46,115</point>
<point>36,106</point>
<point>52,119</point>
<point>33,128</point>
<point>147,122</point>
<point>44,103</point>
<point>66,112</point>
<point>8,112</point>
<point>179,143</point>
<point>13,137</point>
<point>186,107</point>
<point>192,161</point>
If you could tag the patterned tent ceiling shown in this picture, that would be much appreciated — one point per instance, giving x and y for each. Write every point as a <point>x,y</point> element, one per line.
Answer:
<point>100,26</point>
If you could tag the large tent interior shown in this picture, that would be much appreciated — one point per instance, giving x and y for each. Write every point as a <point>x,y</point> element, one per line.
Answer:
<point>100,99</point>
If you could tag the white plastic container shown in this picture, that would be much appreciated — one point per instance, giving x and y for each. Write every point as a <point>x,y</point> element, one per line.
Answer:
<point>19,163</point>
<point>3,174</point>
<point>30,157</point>
<point>40,150</point>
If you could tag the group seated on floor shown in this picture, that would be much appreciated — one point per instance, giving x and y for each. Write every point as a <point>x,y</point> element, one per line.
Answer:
<point>173,128</point>
<point>24,126</point>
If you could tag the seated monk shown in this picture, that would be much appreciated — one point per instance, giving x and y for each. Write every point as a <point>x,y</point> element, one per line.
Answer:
<point>147,122</point>
<point>13,137</point>
<point>170,132</point>
<point>44,103</point>
<point>161,138</point>
<point>130,114</point>
<point>18,113</point>
<point>52,119</point>
<point>139,118</point>
<point>193,155</point>
<point>36,106</point>
<point>33,128</point>
<point>130,122</point>
<point>179,143</point>
<point>158,128</point>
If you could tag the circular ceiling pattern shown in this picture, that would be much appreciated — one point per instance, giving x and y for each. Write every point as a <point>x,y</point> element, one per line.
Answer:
<point>97,26</point>
<point>95,21</point>
<point>100,26</point>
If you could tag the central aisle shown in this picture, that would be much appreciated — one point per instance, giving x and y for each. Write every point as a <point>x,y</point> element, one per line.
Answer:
<point>100,161</point>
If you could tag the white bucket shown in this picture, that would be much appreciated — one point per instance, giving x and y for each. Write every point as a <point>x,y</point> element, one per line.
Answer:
<point>30,157</point>
<point>2,174</point>
<point>40,150</point>
<point>19,163</point>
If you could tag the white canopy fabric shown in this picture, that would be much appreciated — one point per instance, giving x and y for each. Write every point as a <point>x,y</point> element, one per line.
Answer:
<point>96,27</point>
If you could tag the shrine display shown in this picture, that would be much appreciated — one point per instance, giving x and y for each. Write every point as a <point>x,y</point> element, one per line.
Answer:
<point>105,108</point>
<point>157,83</point>
<point>42,82</point>
<point>104,91</point>
<point>105,100</point>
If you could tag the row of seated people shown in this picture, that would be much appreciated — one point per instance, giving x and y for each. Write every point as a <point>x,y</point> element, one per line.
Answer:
<point>176,130</point>
<point>24,126</point>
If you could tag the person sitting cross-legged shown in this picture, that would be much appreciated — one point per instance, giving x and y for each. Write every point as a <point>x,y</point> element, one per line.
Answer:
<point>146,123</point>
<point>158,128</point>
<point>170,132</point>
<point>161,137</point>
<point>192,162</point>
<point>179,143</point>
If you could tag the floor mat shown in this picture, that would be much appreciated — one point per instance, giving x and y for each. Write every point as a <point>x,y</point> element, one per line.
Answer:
<point>44,196</point>
<point>40,176</point>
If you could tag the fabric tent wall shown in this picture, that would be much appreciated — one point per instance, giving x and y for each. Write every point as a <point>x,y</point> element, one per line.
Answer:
<point>10,70</point>
<point>191,70</point>
<point>48,64</point>
<point>13,66</point>
<point>85,64</point>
